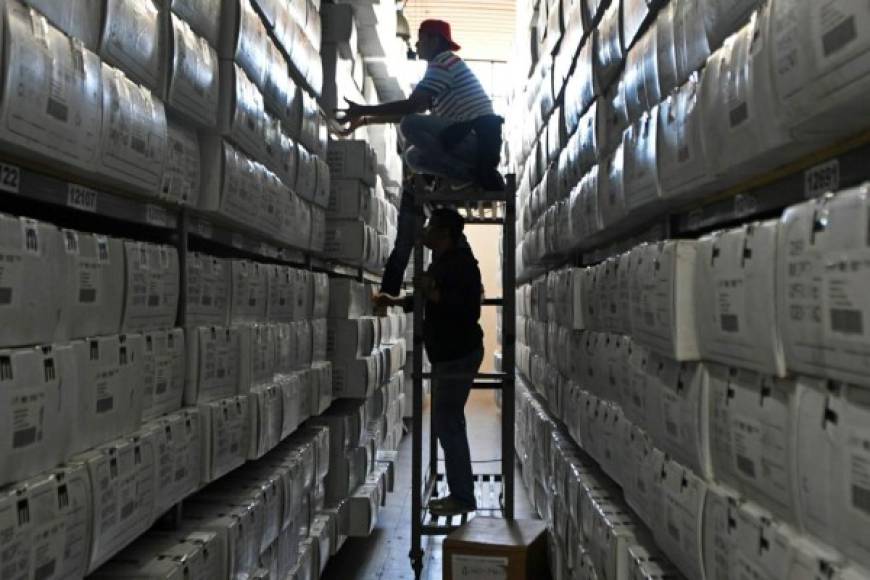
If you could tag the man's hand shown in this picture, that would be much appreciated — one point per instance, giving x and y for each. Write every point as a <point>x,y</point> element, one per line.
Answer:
<point>351,114</point>
<point>352,125</point>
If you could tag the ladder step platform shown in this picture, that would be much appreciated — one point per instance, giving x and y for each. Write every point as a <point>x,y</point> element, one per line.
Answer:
<point>483,376</point>
<point>488,493</point>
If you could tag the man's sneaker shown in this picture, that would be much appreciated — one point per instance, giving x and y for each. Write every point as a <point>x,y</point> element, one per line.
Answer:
<point>449,506</point>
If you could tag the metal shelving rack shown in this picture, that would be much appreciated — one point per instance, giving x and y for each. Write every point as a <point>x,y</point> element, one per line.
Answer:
<point>494,491</point>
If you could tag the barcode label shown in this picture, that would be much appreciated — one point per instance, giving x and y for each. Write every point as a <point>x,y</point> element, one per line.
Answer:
<point>82,198</point>
<point>156,215</point>
<point>746,465</point>
<point>10,178</point>
<point>839,36</point>
<point>729,323</point>
<point>847,321</point>
<point>861,498</point>
<point>822,178</point>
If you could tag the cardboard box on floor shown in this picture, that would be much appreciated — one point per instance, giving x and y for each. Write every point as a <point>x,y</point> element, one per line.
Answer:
<point>497,548</point>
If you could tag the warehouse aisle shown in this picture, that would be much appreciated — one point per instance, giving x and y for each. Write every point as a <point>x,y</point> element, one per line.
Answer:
<point>384,554</point>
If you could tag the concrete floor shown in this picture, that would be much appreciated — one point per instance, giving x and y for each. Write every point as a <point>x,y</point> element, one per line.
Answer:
<point>384,554</point>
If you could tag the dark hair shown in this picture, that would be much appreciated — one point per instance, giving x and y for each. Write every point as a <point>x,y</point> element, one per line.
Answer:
<point>450,220</point>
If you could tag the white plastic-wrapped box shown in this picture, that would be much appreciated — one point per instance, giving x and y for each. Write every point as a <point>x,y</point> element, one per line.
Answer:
<point>163,369</point>
<point>250,291</point>
<point>133,141</point>
<point>736,286</point>
<point>224,436</point>
<point>94,293</point>
<point>641,82</point>
<point>200,15</point>
<point>110,389</point>
<point>152,286</point>
<point>611,189</point>
<point>612,120</point>
<point>683,166</point>
<point>242,111</point>
<point>752,437</point>
<point>78,19</point>
<point>641,179</point>
<point>663,298</point>
<point>181,175</point>
<point>30,309</point>
<point>244,39</point>
<point>608,44</point>
<point>278,88</point>
<point>208,290</point>
<point>690,39</point>
<point>820,65</point>
<point>55,109</point>
<point>635,14</point>
<point>192,88</point>
<point>231,182</point>
<point>831,448</point>
<point>744,129</point>
<point>133,40</point>
<point>39,391</point>
<point>822,309</point>
<point>722,18</point>
<point>213,364</point>
<point>123,480</point>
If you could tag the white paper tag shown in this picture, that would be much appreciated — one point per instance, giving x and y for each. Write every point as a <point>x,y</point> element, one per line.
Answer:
<point>10,178</point>
<point>80,197</point>
<point>478,567</point>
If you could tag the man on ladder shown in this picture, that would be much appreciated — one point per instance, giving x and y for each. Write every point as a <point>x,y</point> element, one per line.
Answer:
<point>454,342</point>
<point>459,141</point>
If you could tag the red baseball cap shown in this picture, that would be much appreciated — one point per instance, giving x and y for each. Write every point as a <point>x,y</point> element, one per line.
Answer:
<point>441,28</point>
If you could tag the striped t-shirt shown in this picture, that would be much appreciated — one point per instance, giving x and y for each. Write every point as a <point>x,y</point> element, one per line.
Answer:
<point>458,95</point>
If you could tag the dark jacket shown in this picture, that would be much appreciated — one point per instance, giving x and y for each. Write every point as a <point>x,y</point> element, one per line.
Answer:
<point>450,328</point>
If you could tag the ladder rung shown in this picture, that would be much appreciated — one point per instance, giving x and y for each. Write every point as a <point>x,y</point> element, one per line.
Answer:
<point>462,197</point>
<point>484,376</point>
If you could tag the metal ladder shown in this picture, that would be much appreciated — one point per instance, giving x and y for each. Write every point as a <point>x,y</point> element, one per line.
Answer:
<point>494,491</point>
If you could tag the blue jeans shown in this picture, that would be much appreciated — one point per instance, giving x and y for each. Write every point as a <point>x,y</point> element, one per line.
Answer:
<point>397,263</point>
<point>448,422</point>
<point>424,153</point>
<point>394,271</point>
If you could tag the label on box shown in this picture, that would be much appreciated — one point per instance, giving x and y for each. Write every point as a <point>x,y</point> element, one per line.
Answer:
<point>473,567</point>
<point>843,299</point>
<point>857,452</point>
<point>730,304</point>
<point>82,198</point>
<point>27,409</point>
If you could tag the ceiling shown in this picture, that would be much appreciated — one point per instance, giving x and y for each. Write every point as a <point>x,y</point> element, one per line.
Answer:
<point>484,28</point>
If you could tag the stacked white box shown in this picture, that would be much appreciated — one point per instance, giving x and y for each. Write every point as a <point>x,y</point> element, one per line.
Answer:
<point>152,288</point>
<point>33,50</point>
<point>39,389</point>
<point>110,386</point>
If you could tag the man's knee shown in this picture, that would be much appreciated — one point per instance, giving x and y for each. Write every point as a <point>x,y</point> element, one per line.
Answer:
<point>410,125</point>
<point>412,157</point>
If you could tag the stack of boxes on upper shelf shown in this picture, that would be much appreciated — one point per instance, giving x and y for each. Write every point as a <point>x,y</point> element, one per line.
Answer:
<point>718,386</point>
<point>638,108</point>
<point>207,103</point>
<point>366,172</point>
<point>722,383</point>
<point>361,224</point>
